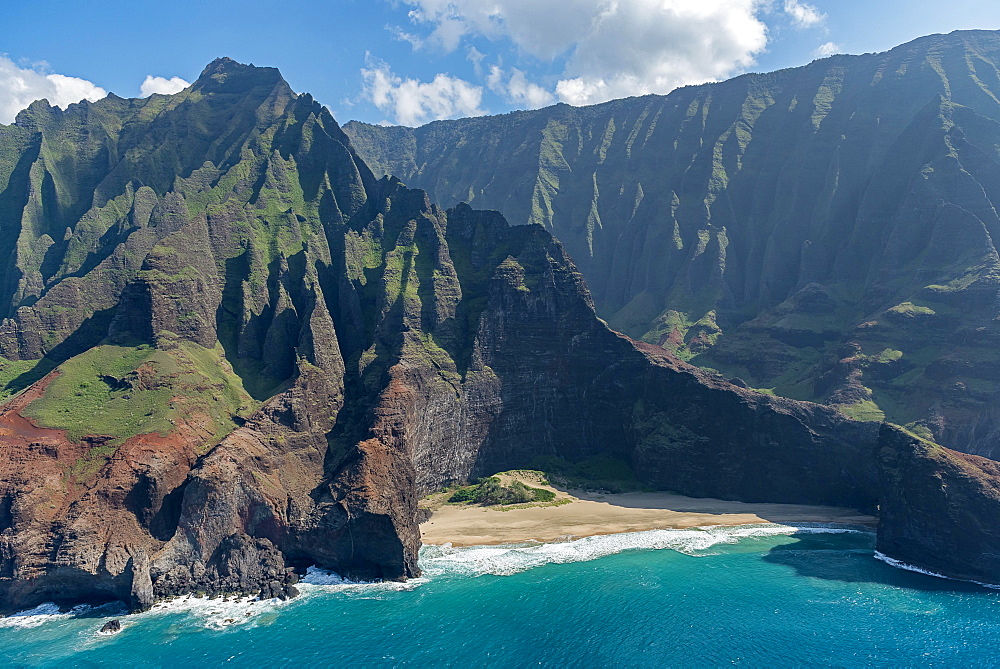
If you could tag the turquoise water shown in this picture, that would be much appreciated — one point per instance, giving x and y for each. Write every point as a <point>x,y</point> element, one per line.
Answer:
<point>743,596</point>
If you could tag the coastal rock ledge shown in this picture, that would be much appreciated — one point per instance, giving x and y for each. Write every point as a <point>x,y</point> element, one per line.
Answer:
<point>231,353</point>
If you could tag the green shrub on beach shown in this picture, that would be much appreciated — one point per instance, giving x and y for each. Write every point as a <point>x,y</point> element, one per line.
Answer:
<point>465,494</point>
<point>491,492</point>
<point>542,495</point>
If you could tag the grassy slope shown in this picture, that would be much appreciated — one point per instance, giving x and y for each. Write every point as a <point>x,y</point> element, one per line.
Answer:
<point>122,391</point>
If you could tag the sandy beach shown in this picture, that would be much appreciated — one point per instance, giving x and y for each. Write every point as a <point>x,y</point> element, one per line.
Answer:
<point>588,514</point>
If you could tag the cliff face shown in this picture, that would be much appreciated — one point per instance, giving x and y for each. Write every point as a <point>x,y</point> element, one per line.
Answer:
<point>938,508</point>
<point>231,353</point>
<point>827,231</point>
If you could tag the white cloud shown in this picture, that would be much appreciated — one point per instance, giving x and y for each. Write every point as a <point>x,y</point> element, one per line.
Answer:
<point>543,29</point>
<point>401,35</point>
<point>162,85</point>
<point>612,48</point>
<point>827,49</point>
<point>649,46</point>
<point>803,15</point>
<point>414,102</point>
<point>19,87</point>
<point>494,80</point>
<point>517,89</point>
<point>476,57</point>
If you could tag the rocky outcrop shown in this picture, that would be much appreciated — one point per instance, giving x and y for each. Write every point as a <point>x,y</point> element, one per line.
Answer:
<point>762,226</point>
<point>111,627</point>
<point>283,353</point>
<point>938,508</point>
<point>76,526</point>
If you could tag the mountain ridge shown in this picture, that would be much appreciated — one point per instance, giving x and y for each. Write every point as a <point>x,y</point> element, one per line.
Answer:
<point>821,231</point>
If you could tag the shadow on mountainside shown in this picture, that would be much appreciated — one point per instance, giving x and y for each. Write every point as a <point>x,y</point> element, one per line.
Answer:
<point>91,332</point>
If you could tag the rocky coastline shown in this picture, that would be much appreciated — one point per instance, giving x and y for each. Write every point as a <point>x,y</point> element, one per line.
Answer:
<point>299,351</point>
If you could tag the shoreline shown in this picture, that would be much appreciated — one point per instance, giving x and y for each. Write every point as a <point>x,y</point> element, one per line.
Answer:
<point>576,514</point>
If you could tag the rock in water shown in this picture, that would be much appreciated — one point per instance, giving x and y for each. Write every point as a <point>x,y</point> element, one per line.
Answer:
<point>111,627</point>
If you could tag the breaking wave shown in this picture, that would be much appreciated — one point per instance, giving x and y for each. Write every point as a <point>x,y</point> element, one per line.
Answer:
<point>512,558</point>
<point>899,564</point>
<point>40,615</point>
<point>222,613</point>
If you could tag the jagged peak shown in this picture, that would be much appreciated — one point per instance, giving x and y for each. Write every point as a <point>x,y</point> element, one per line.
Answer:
<point>232,74</point>
<point>226,65</point>
<point>28,116</point>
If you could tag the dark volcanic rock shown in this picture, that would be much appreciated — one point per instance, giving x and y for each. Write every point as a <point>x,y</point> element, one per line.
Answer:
<point>938,508</point>
<point>111,627</point>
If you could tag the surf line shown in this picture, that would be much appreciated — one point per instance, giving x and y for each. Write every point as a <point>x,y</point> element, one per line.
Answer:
<point>899,564</point>
<point>512,558</point>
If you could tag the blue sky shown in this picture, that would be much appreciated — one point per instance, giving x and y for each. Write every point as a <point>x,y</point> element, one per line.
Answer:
<point>411,61</point>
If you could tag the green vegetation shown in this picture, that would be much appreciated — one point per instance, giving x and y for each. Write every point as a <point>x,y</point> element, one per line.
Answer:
<point>491,492</point>
<point>677,332</point>
<point>122,391</point>
<point>908,309</point>
<point>888,355</point>
<point>866,410</point>
<point>555,502</point>
<point>919,430</point>
<point>16,375</point>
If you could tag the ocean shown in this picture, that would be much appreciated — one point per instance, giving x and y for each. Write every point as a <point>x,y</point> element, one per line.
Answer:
<point>750,596</point>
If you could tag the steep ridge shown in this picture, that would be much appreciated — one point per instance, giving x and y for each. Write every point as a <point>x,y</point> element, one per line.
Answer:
<point>826,232</point>
<point>232,353</point>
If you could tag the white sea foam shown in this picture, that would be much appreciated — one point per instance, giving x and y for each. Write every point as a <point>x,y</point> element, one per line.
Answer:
<point>317,576</point>
<point>899,564</point>
<point>221,612</point>
<point>224,612</point>
<point>317,581</point>
<point>39,615</point>
<point>512,558</point>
